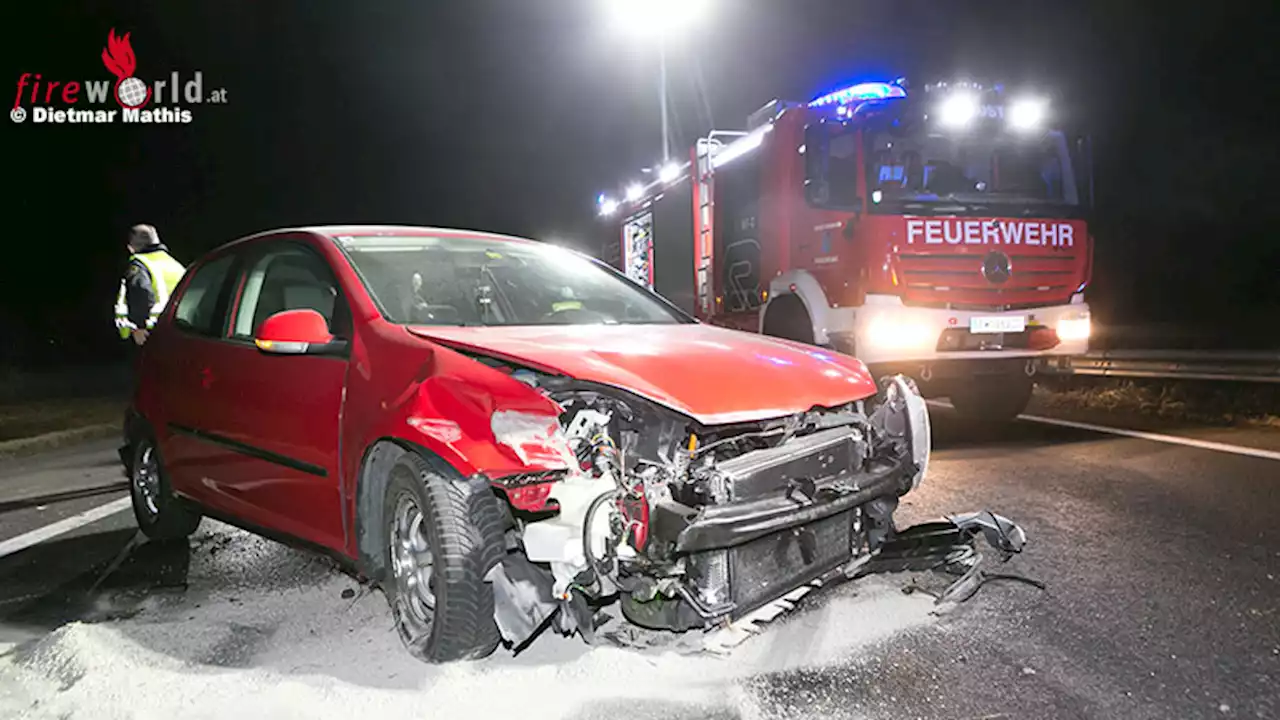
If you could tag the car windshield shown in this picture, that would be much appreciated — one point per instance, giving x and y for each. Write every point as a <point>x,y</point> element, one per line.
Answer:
<point>923,168</point>
<point>476,281</point>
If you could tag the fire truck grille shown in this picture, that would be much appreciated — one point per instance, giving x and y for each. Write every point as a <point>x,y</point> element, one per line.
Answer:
<point>955,280</point>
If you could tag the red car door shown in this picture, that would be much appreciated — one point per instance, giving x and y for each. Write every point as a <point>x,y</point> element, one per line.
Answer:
<point>279,415</point>
<point>177,371</point>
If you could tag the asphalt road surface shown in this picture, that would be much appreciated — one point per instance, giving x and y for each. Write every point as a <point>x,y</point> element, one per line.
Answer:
<point>1162,565</point>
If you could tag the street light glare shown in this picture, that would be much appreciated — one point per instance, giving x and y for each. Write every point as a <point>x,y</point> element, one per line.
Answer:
<point>657,17</point>
<point>669,172</point>
<point>635,192</point>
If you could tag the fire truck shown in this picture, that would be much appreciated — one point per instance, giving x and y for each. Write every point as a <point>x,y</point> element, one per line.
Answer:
<point>939,232</point>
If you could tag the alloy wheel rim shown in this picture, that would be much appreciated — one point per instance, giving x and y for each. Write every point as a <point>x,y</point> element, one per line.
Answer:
<point>146,480</point>
<point>413,561</point>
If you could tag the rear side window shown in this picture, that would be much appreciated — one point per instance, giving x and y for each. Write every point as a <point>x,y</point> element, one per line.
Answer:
<point>198,309</point>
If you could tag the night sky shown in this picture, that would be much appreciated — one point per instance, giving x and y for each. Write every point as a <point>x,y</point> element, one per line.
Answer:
<point>511,115</point>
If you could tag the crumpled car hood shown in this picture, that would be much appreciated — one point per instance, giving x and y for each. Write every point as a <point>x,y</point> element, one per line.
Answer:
<point>713,375</point>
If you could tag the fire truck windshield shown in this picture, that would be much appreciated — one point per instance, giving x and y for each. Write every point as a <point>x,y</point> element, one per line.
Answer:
<point>474,281</point>
<point>923,170</point>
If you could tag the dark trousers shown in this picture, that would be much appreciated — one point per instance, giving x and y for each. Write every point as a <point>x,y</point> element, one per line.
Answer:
<point>133,355</point>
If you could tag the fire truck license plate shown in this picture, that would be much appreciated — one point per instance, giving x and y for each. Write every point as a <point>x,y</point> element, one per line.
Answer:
<point>1003,324</point>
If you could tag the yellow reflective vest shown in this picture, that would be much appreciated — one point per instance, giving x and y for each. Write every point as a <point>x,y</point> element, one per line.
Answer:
<point>165,273</point>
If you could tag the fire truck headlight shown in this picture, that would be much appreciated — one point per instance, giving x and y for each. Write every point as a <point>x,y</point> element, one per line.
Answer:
<point>958,110</point>
<point>899,334</point>
<point>608,206</point>
<point>1027,113</point>
<point>1074,328</point>
<point>635,192</point>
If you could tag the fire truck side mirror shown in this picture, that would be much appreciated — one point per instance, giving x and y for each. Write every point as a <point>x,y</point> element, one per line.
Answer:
<point>850,228</point>
<point>1084,173</point>
<point>817,192</point>
<point>816,151</point>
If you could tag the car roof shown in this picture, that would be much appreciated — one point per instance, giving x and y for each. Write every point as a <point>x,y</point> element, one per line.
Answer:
<point>335,231</point>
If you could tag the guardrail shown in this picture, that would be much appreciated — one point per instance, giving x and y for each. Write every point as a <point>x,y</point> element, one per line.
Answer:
<point>1176,364</point>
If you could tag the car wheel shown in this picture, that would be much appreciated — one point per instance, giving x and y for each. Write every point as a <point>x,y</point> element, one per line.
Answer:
<point>443,536</point>
<point>994,399</point>
<point>160,514</point>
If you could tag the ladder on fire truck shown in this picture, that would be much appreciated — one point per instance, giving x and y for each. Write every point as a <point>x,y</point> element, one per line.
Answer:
<point>704,198</point>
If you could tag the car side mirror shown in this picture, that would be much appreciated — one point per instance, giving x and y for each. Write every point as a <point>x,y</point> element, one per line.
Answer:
<point>296,332</point>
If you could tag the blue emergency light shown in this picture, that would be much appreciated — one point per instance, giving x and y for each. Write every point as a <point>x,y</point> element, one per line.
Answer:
<point>861,91</point>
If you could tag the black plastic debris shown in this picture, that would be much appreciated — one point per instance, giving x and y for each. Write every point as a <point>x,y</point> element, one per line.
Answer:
<point>950,546</point>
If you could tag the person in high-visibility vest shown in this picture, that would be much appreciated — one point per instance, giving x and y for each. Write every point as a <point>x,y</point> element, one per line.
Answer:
<point>147,284</point>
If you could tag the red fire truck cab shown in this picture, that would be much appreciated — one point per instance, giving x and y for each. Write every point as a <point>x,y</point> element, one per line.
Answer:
<point>938,232</point>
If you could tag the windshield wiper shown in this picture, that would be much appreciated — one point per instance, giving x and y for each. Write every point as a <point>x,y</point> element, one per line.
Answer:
<point>938,208</point>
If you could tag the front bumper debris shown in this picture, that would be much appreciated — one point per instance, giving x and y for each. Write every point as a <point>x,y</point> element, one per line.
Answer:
<point>733,524</point>
<point>950,546</point>
<point>947,546</point>
<point>742,555</point>
<point>721,533</point>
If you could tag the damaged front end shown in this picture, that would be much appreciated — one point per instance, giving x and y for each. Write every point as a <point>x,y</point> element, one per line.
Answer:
<point>691,527</point>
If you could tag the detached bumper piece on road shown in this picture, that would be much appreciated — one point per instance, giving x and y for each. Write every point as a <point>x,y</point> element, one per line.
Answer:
<point>950,546</point>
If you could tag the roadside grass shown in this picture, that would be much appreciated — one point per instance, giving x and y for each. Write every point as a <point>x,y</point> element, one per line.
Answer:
<point>46,408</point>
<point>30,418</point>
<point>1212,403</point>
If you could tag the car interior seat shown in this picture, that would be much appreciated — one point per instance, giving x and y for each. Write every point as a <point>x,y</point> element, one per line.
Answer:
<point>292,284</point>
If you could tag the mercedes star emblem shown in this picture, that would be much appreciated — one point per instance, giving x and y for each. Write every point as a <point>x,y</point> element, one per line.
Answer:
<point>996,267</point>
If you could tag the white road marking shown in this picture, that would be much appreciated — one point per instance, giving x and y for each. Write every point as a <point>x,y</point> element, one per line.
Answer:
<point>1158,437</point>
<point>39,535</point>
<point>1139,434</point>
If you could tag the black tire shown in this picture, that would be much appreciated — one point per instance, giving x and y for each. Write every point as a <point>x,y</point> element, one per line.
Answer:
<point>788,319</point>
<point>462,525</point>
<point>992,399</point>
<point>161,515</point>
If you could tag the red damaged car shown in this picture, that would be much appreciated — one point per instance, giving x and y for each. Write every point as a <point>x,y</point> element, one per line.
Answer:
<point>505,435</point>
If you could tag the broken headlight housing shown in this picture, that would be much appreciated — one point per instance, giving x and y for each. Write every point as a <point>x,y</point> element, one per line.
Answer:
<point>537,440</point>
<point>904,415</point>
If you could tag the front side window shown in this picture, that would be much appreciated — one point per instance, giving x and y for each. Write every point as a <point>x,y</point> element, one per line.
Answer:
<point>198,310</point>
<point>842,168</point>
<point>288,277</point>
<point>831,166</point>
<point>475,281</point>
